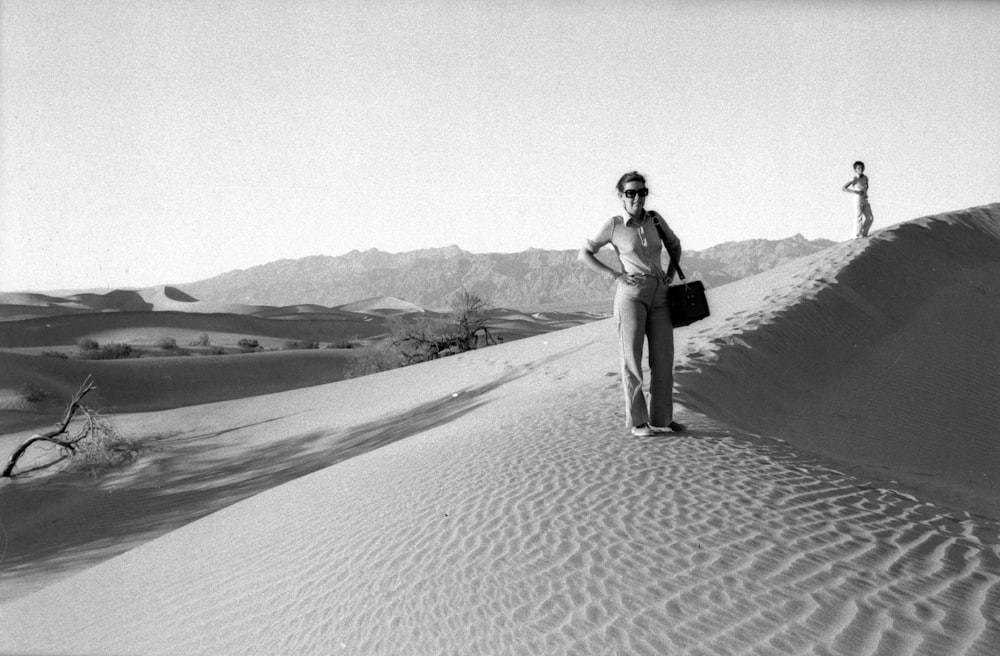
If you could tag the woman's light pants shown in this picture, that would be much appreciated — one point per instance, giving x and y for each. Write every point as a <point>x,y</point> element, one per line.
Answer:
<point>641,313</point>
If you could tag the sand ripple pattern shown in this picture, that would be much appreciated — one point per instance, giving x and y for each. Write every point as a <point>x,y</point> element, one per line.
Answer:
<point>572,539</point>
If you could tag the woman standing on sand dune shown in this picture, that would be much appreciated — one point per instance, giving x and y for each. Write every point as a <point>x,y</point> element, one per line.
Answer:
<point>640,306</point>
<point>863,214</point>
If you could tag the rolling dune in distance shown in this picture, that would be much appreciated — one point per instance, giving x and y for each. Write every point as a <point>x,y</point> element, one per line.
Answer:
<point>33,324</point>
<point>492,503</point>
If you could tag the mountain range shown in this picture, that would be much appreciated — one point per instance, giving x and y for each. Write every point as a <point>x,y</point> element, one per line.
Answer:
<point>432,277</point>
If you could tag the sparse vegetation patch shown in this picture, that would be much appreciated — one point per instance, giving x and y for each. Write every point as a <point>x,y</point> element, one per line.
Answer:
<point>248,345</point>
<point>295,344</point>
<point>167,343</point>
<point>116,351</point>
<point>201,340</point>
<point>88,344</point>
<point>413,341</point>
<point>344,343</point>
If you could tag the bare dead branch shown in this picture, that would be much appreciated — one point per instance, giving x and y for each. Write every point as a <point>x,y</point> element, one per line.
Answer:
<point>60,429</point>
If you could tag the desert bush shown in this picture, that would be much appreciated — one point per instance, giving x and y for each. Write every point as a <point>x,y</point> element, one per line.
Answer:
<point>393,351</point>
<point>167,343</point>
<point>248,345</point>
<point>344,343</point>
<point>55,354</point>
<point>411,341</point>
<point>96,447</point>
<point>202,340</point>
<point>116,351</point>
<point>105,449</point>
<point>295,344</point>
<point>216,350</point>
<point>88,344</point>
<point>382,357</point>
<point>31,392</point>
<point>469,313</point>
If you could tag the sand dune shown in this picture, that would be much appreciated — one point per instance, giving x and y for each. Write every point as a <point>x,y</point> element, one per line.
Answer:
<point>172,299</point>
<point>307,311</point>
<point>15,306</point>
<point>504,319</point>
<point>119,300</point>
<point>149,384</point>
<point>384,305</point>
<point>882,354</point>
<point>490,503</point>
<point>155,383</point>
<point>69,329</point>
<point>27,299</point>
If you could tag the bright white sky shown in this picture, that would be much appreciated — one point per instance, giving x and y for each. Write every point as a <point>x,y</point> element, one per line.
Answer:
<point>152,142</point>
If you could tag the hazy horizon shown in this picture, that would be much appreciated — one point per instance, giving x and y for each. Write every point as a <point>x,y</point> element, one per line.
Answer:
<point>161,143</point>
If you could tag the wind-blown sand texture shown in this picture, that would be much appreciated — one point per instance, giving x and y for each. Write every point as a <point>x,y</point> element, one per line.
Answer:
<point>490,503</point>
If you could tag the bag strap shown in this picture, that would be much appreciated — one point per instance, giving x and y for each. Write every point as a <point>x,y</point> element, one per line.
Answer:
<point>663,238</point>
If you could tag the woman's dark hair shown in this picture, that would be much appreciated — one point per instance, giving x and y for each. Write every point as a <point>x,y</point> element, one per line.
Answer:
<point>861,164</point>
<point>631,176</point>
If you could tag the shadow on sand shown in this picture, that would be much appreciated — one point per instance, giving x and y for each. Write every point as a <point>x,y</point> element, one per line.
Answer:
<point>58,525</point>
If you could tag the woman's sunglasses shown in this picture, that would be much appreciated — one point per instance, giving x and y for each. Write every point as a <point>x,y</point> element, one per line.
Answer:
<point>632,193</point>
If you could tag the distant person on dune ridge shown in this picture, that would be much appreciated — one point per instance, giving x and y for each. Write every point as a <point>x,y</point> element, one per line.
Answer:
<point>863,214</point>
<point>640,306</point>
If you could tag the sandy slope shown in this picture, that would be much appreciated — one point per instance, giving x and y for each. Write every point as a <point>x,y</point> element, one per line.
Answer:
<point>149,384</point>
<point>505,512</point>
<point>887,359</point>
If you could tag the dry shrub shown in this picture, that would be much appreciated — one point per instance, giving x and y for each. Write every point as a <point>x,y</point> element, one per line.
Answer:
<point>296,345</point>
<point>345,343</point>
<point>248,345</point>
<point>380,357</point>
<point>103,449</point>
<point>88,344</point>
<point>167,343</point>
<point>202,340</point>
<point>95,448</point>
<point>117,351</point>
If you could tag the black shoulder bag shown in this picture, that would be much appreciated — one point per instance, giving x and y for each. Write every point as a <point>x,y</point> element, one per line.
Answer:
<point>687,301</point>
